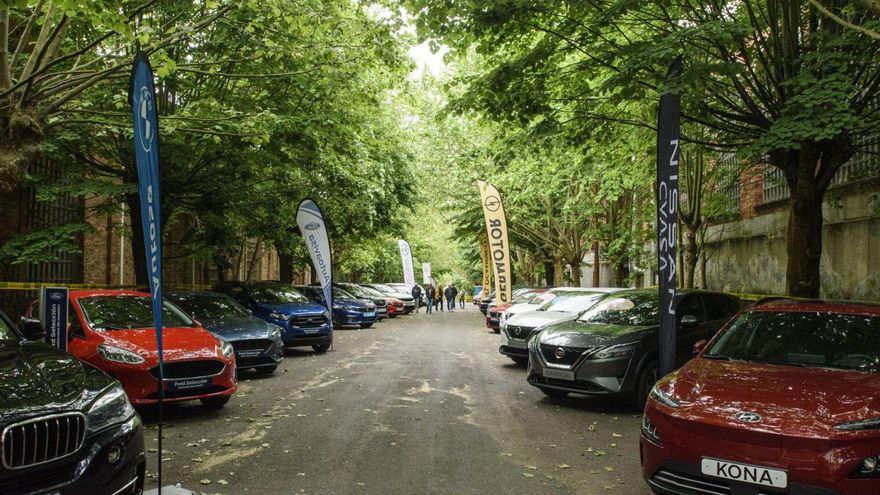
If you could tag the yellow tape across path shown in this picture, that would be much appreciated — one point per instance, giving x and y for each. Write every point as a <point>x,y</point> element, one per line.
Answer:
<point>38,285</point>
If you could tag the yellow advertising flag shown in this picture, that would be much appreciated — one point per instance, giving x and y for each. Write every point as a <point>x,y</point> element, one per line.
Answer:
<point>499,250</point>
<point>487,268</point>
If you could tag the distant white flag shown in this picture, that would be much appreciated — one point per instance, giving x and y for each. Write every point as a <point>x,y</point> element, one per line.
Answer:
<point>314,231</point>
<point>409,279</point>
<point>426,273</point>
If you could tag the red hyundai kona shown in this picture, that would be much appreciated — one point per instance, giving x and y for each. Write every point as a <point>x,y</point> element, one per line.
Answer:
<point>113,330</point>
<point>784,399</point>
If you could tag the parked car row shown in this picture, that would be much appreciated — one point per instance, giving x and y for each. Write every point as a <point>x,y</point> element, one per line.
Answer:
<point>67,420</point>
<point>777,397</point>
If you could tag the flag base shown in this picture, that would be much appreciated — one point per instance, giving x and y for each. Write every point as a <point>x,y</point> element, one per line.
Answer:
<point>170,490</point>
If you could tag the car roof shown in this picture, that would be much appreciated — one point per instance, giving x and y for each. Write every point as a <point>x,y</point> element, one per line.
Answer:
<point>76,294</point>
<point>793,305</point>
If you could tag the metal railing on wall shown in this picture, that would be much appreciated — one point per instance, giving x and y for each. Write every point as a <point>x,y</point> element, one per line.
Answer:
<point>865,164</point>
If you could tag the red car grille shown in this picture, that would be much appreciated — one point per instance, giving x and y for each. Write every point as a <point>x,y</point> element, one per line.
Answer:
<point>41,440</point>
<point>189,369</point>
<point>687,484</point>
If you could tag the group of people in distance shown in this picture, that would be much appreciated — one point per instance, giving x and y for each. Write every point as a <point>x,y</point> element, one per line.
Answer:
<point>435,296</point>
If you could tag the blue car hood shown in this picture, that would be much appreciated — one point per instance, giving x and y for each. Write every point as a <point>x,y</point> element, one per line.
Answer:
<point>356,303</point>
<point>294,308</point>
<point>241,328</point>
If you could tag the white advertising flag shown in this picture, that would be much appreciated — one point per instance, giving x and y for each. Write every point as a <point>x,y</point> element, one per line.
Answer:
<point>426,273</point>
<point>409,279</point>
<point>314,231</point>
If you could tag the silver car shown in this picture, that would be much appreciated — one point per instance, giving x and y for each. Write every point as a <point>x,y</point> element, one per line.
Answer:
<point>566,304</point>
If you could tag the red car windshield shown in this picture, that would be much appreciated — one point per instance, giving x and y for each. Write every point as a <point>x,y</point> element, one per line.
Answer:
<point>128,312</point>
<point>821,340</point>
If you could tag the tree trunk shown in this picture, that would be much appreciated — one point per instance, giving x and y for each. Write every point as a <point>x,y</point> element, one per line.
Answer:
<point>702,254</point>
<point>285,266</point>
<point>597,267</point>
<point>558,272</point>
<point>575,272</point>
<point>549,273</point>
<point>139,256</point>
<point>804,234</point>
<point>691,254</point>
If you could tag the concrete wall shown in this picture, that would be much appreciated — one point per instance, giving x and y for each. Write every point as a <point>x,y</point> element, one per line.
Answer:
<point>749,255</point>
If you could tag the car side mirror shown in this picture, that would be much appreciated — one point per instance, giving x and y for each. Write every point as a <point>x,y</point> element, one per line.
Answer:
<point>699,346</point>
<point>689,321</point>
<point>32,329</point>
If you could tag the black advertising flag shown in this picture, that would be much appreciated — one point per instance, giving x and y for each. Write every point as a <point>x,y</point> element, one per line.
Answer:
<point>667,216</point>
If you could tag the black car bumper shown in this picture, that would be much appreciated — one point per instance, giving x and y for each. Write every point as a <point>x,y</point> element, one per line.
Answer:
<point>513,351</point>
<point>307,340</point>
<point>602,377</point>
<point>258,353</point>
<point>89,471</point>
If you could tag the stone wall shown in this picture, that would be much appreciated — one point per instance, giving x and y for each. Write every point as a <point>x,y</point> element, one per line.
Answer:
<point>749,255</point>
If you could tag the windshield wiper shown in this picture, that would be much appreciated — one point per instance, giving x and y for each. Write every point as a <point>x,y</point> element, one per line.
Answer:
<point>717,357</point>
<point>781,363</point>
<point>111,327</point>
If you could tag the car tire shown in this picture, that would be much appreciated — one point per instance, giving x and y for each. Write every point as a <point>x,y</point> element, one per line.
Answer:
<point>215,403</point>
<point>266,370</point>
<point>366,325</point>
<point>554,394</point>
<point>392,316</point>
<point>322,348</point>
<point>520,360</point>
<point>496,330</point>
<point>647,378</point>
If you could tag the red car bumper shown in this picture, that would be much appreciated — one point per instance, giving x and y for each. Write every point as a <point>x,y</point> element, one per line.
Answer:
<point>813,466</point>
<point>396,310</point>
<point>184,380</point>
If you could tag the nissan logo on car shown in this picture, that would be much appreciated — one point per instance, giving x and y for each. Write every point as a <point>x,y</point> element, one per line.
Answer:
<point>559,353</point>
<point>748,417</point>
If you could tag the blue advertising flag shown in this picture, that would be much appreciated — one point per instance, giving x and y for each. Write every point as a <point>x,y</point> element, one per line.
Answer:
<point>142,97</point>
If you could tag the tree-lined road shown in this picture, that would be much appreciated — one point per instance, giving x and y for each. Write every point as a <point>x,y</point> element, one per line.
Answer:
<point>419,404</point>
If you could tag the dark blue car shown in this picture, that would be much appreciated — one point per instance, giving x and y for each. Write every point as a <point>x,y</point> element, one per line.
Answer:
<point>302,322</point>
<point>257,343</point>
<point>347,309</point>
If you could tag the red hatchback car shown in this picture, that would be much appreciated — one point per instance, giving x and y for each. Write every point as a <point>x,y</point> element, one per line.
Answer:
<point>784,399</point>
<point>113,330</point>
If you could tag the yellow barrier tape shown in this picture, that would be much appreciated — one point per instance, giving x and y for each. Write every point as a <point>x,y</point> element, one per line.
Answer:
<point>38,285</point>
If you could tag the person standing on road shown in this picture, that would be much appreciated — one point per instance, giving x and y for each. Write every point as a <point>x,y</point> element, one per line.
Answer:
<point>439,296</point>
<point>454,295</point>
<point>417,296</point>
<point>461,298</point>
<point>447,294</point>
<point>429,297</point>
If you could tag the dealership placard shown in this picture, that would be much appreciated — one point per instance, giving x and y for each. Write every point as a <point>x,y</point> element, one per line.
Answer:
<point>499,249</point>
<point>53,315</point>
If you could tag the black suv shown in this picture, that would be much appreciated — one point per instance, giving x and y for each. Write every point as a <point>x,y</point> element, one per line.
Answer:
<point>66,426</point>
<point>612,349</point>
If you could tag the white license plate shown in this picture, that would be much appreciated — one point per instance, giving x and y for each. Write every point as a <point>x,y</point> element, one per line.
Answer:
<point>746,473</point>
<point>370,314</point>
<point>311,330</point>
<point>189,384</point>
<point>559,374</point>
<point>519,344</point>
